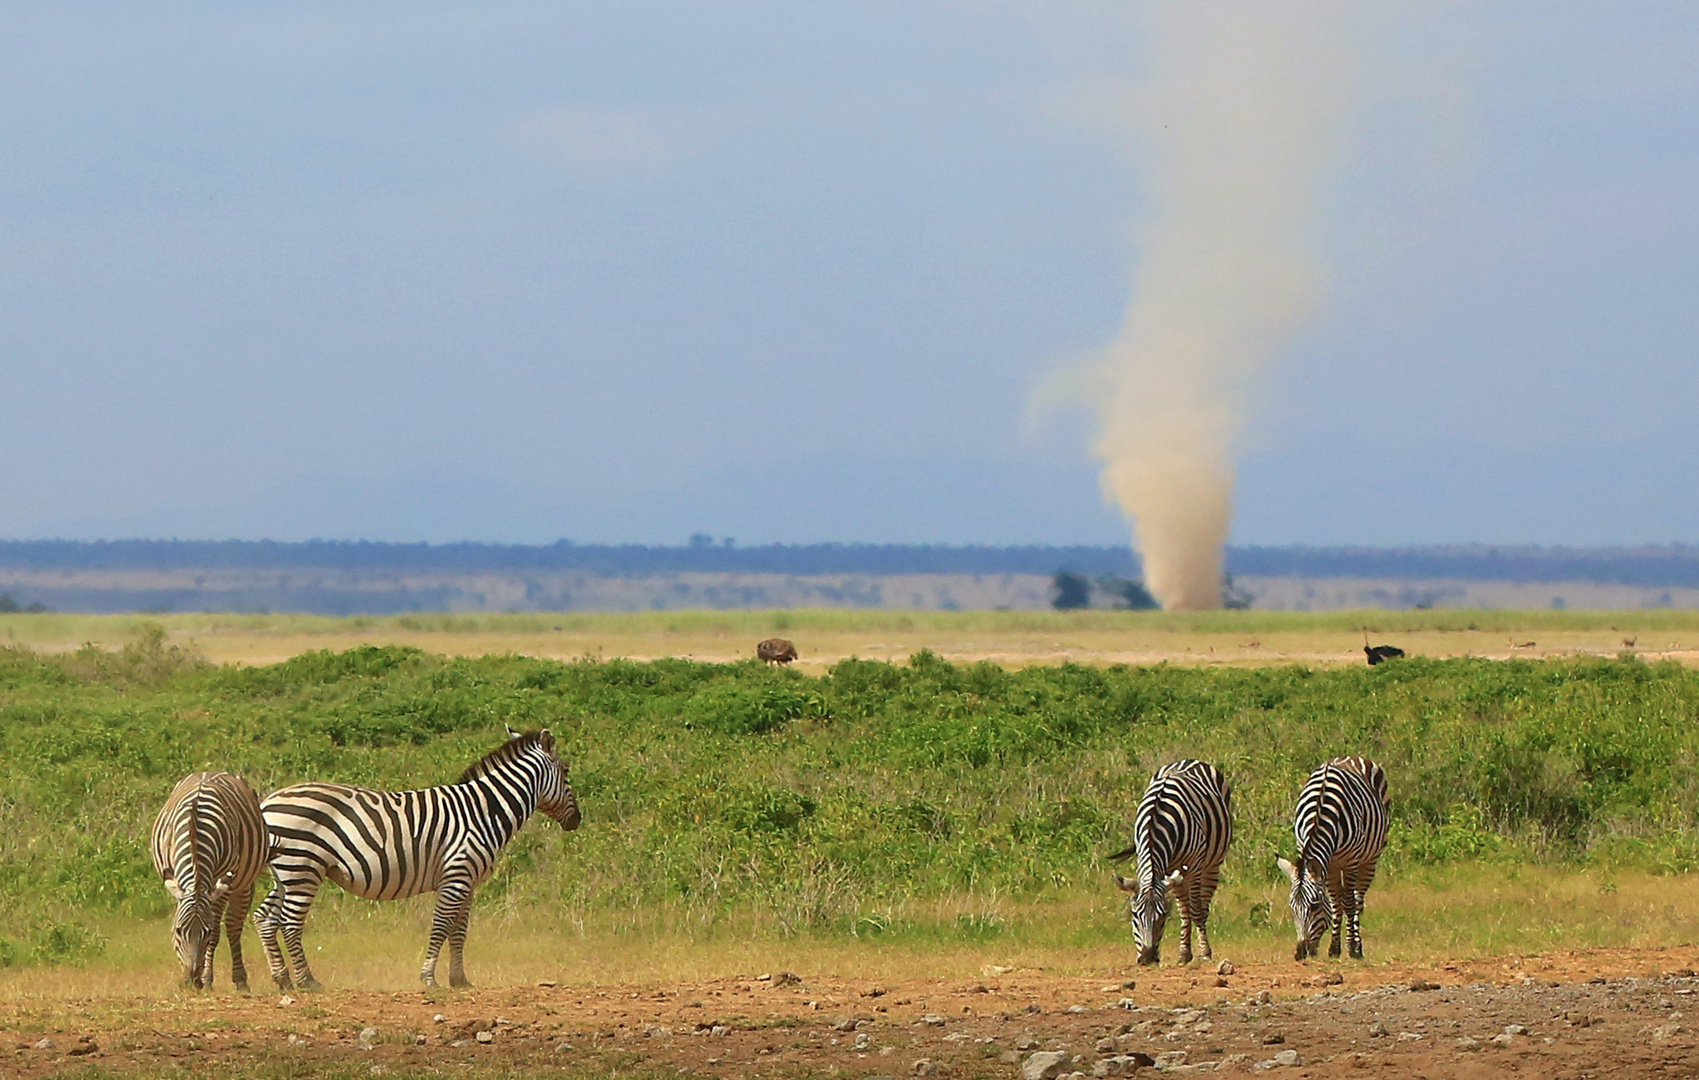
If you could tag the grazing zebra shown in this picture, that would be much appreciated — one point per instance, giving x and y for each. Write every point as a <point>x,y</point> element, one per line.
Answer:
<point>1341,828</point>
<point>209,844</point>
<point>389,845</point>
<point>1181,835</point>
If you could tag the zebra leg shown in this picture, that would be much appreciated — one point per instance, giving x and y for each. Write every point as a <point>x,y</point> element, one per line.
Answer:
<point>1199,899</point>
<point>291,919</point>
<point>1184,901</point>
<point>1354,928</point>
<point>234,916</point>
<point>265,920</point>
<point>457,946</point>
<point>454,898</point>
<point>217,919</point>
<point>1337,901</point>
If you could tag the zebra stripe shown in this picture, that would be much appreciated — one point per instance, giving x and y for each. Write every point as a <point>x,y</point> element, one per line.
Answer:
<point>1341,823</point>
<point>388,845</point>
<point>208,846</point>
<point>1180,837</point>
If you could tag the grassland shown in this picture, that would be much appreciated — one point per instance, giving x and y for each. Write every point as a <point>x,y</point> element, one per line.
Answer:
<point>872,812</point>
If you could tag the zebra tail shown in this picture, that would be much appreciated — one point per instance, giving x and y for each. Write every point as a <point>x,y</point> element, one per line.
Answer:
<point>1124,854</point>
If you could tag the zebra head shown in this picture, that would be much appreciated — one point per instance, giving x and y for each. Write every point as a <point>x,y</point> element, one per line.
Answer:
<point>554,792</point>
<point>193,927</point>
<point>1149,913</point>
<point>1311,913</point>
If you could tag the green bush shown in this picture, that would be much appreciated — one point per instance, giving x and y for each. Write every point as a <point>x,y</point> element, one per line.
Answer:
<point>829,801</point>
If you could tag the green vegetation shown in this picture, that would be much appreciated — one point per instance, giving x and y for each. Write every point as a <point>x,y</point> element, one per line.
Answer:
<point>739,795</point>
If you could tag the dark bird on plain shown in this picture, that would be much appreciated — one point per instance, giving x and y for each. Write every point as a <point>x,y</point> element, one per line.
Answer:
<point>1379,653</point>
<point>775,651</point>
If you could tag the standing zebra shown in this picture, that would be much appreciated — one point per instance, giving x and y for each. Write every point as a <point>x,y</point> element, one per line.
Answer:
<point>1180,836</point>
<point>389,845</point>
<point>1341,828</point>
<point>208,846</point>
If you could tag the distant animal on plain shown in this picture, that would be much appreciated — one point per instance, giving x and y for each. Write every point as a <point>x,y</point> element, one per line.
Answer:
<point>775,650</point>
<point>1379,653</point>
<point>209,843</point>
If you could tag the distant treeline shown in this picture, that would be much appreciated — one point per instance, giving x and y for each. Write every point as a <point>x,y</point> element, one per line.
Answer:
<point>1651,566</point>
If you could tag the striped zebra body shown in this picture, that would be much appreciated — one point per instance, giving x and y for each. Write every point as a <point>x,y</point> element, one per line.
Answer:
<point>1341,823</point>
<point>1180,838</point>
<point>389,845</point>
<point>208,846</point>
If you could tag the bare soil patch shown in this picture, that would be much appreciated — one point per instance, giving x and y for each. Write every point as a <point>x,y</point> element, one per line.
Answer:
<point>1617,1013</point>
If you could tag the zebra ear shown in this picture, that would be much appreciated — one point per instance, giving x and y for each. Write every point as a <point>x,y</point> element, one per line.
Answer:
<point>545,740</point>
<point>1175,878</point>
<point>1287,868</point>
<point>1127,884</point>
<point>512,734</point>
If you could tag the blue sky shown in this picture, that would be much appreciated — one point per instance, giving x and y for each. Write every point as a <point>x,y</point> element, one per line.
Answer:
<point>790,272</point>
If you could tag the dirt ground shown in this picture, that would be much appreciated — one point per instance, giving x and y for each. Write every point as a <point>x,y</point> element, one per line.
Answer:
<point>1617,1013</point>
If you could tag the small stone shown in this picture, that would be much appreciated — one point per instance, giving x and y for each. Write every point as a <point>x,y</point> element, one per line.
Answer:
<point>1170,1058</point>
<point>44,1044</point>
<point>1126,1003</point>
<point>932,1020</point>
<point>1264,997</point>
<point>378,1069</point>
<point>1332,978</point>
<point>993,970</point>
<point>873,992</point>
<point>85,1046</point>
<point>1045,1065</point>
<point>1027,1042</point>
<point>1288,1057</point>
<point>1106,1046</point>
<point>1409,1036</point>
<point>719,1029</point>
<point>1467,1044</point>
<point>548,984</point>
<point>1273,1038</point>
<point>439,1018</point>
<point>843,1023</point>
<point>768,977</point>
<point>1501,1039</point>
<point>418,1040</point>
<point>1220,981</point>
<point>1224,968</point>
<point>1421,985</point>
<point>1515,1029</point>
<point>368,1038</point>
<point>1078,1009</point>
<point>1664,1031</point>
<point>924,1067</point>
<point>563,1047</point>
<point>285,1001</point>
<point>485,1037</point>
<point>861,1041</point>
<point>786,978</point>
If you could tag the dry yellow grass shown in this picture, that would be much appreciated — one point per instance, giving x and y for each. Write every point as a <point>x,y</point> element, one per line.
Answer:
<point>824,637</point>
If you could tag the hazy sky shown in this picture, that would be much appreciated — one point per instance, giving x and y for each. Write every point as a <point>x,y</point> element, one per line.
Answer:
<point>799,271</point>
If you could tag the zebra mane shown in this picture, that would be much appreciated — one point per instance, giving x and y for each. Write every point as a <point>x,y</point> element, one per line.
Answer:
<point>505,753</point>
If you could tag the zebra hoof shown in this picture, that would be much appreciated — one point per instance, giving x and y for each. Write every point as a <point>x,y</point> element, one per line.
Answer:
<point>312,986</point>
<point>460,983</point>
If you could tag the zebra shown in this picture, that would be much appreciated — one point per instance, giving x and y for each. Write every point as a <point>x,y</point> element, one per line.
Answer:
<point>1340,826</point>
<point>1180,836</point>
<point>389,845</point>
<point>209,844</point>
